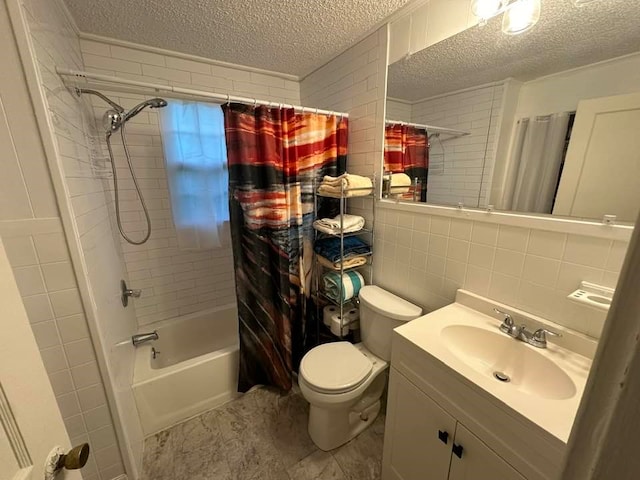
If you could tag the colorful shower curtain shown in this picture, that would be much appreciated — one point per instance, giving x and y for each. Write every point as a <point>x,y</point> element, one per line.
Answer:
<point>274,156</point>
<point>406,150</point>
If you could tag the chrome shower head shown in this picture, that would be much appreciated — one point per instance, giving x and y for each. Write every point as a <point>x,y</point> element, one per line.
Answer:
<point>153,103</point>
<point>112,121</point>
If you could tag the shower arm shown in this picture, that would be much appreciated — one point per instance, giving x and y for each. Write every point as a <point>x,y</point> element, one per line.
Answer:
<point>114,105</point>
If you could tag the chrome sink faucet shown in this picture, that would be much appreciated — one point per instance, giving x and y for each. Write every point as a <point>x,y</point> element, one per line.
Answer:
<point>519,332</point>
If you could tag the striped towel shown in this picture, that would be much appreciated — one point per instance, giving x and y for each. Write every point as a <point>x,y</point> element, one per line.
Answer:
<point>352,282</point>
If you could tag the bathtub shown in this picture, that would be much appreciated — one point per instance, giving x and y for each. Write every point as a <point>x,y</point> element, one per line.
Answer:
<point>195,369</point>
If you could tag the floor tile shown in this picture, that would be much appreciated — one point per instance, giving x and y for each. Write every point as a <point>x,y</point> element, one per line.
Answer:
<point>361,458</point>
<point>317,466</point>
<point>260,436</point>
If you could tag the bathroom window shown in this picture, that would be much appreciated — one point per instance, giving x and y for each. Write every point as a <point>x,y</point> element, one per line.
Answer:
<point>195,155</point>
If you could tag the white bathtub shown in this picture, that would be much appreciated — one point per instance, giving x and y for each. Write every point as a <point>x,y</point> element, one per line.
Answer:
<point>195,370</point>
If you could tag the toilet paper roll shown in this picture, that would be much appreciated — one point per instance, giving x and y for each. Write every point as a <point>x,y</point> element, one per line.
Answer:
<point>335,326</point>
<point>327,312</point>
<point>352,317</point>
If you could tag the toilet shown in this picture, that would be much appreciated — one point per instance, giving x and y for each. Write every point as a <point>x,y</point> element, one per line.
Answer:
<point>344,382</point>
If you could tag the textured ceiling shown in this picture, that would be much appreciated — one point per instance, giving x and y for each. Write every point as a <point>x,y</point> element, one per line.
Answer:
<point>287,36</point>
<point>565,37</point>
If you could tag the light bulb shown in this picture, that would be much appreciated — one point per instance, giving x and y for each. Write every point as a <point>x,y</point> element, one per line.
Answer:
<point>520,16</point>
<point>486,9</point>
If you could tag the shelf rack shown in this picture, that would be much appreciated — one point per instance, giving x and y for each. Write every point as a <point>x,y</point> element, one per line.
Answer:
<point>368,230</point>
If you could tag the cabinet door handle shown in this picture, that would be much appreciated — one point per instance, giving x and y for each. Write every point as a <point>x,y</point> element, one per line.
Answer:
<point>457,450</point>
<point>443,436</point>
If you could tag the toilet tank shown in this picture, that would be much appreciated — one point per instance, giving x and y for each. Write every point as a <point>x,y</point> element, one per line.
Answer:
<point>380,313</point>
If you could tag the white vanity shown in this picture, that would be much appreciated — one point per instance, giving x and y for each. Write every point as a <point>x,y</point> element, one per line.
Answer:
<point>468,401</point>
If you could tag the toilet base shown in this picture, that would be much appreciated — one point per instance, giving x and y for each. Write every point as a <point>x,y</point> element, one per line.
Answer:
<point>329,428</point>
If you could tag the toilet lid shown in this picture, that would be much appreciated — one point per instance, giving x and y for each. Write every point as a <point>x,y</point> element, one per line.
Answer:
<point>335,367</point>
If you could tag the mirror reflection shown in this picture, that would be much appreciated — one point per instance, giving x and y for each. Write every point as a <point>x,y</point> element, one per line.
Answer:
<point>545,122</point>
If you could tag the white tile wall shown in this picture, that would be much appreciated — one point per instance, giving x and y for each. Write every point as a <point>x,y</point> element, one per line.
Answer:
<point>354,82</point>
<point>171,69</point>
<point>174,282</point>
<point>427,258</point>
<point>398,111</point>
<point>49,292</point>
<point>466,172</point>
<point>49,287</point>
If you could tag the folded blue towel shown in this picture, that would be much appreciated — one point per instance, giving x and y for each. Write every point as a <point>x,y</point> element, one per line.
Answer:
<point>352,282</point>
<point>329,248</point>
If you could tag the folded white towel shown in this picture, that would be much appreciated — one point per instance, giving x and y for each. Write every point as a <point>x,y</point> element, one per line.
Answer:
<point>399,183</point>
<point>350,223</point>
<point>347,263</point>
<point>349,184</point>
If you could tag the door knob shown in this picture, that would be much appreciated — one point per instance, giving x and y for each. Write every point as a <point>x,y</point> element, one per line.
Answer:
<point>443,436</point>
<point>75,459</point>
<point>57,460</point>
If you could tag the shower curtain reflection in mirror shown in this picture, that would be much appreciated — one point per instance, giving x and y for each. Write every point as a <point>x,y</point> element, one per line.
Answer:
<point>536,161</point>
<point>406,150</point>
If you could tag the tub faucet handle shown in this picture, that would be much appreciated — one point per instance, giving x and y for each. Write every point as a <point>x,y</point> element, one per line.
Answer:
<point>133,292</point>
<point>128,292</point>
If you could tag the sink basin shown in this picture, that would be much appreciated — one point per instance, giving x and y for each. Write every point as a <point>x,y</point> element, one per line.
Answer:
<point>465,350</point>
<point>512,362</point>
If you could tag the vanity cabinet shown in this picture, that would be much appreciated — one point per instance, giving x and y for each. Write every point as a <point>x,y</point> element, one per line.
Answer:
<point>423,441</point>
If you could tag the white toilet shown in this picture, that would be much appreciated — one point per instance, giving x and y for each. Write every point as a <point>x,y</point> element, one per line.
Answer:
<point>344,382</point>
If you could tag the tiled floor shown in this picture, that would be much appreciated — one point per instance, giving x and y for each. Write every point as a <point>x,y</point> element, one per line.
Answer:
<point>260,436</point>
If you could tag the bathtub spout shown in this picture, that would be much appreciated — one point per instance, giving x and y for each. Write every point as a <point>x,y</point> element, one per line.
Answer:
<point>141,338</point>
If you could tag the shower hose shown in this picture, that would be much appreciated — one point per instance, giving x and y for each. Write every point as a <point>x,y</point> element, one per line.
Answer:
<point>135,183</point>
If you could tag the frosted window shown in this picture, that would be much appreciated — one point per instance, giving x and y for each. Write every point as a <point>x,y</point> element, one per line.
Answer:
<point>195,155</point>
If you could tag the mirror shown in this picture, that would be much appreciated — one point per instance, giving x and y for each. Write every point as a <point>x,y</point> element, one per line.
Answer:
<point>544,122</point>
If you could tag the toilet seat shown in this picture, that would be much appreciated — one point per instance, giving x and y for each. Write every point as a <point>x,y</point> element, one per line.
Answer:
<point>335,368</point>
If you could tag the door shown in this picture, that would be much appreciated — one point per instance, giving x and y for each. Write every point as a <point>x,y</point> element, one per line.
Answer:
<point>476,461</point>
<point>602,166</point>
<point>418,434</point>
<point>30,421</point>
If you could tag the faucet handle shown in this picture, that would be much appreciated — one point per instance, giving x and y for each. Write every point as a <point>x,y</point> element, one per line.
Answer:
<point>508,319</point>
<point>540,336</point>
<point>507,323</point>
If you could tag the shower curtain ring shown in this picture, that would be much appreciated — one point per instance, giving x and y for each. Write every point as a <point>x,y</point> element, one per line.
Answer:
<point>255,103</point>
<point>228,99</point>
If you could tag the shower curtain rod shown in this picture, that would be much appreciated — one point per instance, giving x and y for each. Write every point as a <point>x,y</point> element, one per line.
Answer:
<point>430,128</point>
<point>66,72</point>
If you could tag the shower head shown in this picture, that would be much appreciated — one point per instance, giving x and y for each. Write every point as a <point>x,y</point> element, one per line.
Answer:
<point>114,119</point>
<point>153,103</point>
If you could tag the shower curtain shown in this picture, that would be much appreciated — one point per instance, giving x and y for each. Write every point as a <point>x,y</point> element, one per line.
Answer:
<point>406,150</point>
<point>274,156</point>
<point>535,163</point>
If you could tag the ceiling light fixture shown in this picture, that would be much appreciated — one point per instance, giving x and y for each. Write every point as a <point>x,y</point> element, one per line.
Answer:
<point>520,16</point>
<point>486,9</point>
